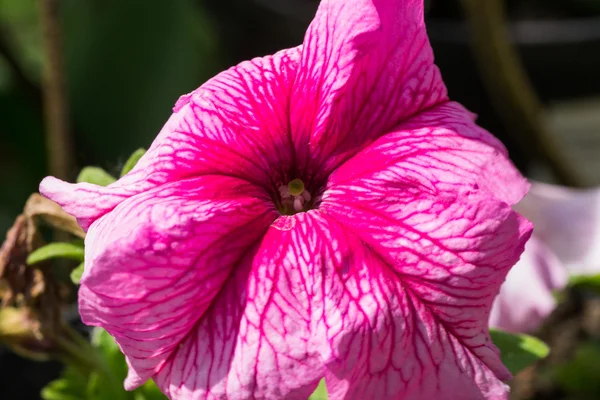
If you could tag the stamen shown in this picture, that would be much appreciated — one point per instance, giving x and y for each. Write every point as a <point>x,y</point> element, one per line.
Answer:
<point>298,203</point>
<point>294,197</point>
<point>306,196</point>
<point>284,191</point>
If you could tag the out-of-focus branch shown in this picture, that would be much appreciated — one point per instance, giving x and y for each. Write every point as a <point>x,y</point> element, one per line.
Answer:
<point>21,78</point>
<point>58,135</point>
<point>509,88</point>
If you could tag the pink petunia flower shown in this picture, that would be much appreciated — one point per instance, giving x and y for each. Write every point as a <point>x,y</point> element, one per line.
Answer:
<point>322,212</point>
<point>566,240</point>
<point>526,297</point>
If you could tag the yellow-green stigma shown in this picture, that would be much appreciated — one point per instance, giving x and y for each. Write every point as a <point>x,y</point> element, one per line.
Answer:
<point>296,187</point>
<point>294,197</point>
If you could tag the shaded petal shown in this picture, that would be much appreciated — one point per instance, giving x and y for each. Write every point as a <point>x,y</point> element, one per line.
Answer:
<point>233,125</point>
<point>255,341</point>
<point>525,298</point>
<point>449,255</point>
<point>440,150</point>
<point>366,66</point>
<point>568,222</point>
<point>155,262</point>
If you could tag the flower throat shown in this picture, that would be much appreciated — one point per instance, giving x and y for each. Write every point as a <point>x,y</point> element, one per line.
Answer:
<point>294,198</point>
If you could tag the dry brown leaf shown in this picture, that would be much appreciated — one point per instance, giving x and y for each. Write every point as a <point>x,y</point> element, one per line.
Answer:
<point>39,207</point>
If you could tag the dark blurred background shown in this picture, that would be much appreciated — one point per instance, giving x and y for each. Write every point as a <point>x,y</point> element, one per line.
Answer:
<point>127,61</point>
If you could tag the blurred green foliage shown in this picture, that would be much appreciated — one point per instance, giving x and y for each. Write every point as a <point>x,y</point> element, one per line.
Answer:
<point>589,282</point>
<point>579,376</point>
<point>518,351</point>
<point>105,383</point>
<point>127,62</point>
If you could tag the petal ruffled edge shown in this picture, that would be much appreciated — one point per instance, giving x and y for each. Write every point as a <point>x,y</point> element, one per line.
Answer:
<point>154,264</point>
<point>567,220</point>
<point>439,151</point>
<point>526,296</point>
<point>366,66</point>
<point>256,341</point>
<point>233,125</point>
<point>85,201</point>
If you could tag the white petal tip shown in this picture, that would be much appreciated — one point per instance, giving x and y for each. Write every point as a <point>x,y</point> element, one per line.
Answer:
<point>133,381</point>
<point>50,185</point>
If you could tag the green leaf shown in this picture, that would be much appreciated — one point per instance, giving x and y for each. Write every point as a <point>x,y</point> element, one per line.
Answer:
<point>108,384</point>
<point>71,386</point>
<point>77,273</point>
<point>103,383</point>
<point>320,393</point>
<point>95,175</point>
<point>60,389</point>
<point>78,242</point>
<point>132,161</point>
<point>518,351</point>
<point>109,349</point>
<point>578,377</point>
<point>115,361</point>
<point>590,282</point>
<point>148,391</point>
<point>56,250</point>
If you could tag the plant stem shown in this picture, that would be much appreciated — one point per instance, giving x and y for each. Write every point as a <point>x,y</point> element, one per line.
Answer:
<point>510,89</point>
<point>58,136</point>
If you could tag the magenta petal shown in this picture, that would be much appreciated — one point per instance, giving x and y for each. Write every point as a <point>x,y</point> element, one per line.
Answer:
<point>257,339</point>
<point>384,286</point>
<point>154,264</point>
<point>360,304</point>
<point>440,150</point>
<point>436,263</point>
<point>366,65</point>
<point>233,125</point>
<point>526,296</point>
<point>568,222</point>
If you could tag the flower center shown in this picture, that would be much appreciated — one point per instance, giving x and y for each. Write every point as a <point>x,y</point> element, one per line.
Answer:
<point>294,197</point>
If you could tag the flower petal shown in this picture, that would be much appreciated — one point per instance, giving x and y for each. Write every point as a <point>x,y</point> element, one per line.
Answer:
<point>525,297</point>
<point>568,222</point>
<point>440,150</point>
<point>255,341</point>
<point>233,125</point>
<point>444,259</point>
<point>317,300</point>
<point>155,262</point>
<point>366,66</point>
<point>386,341</point>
